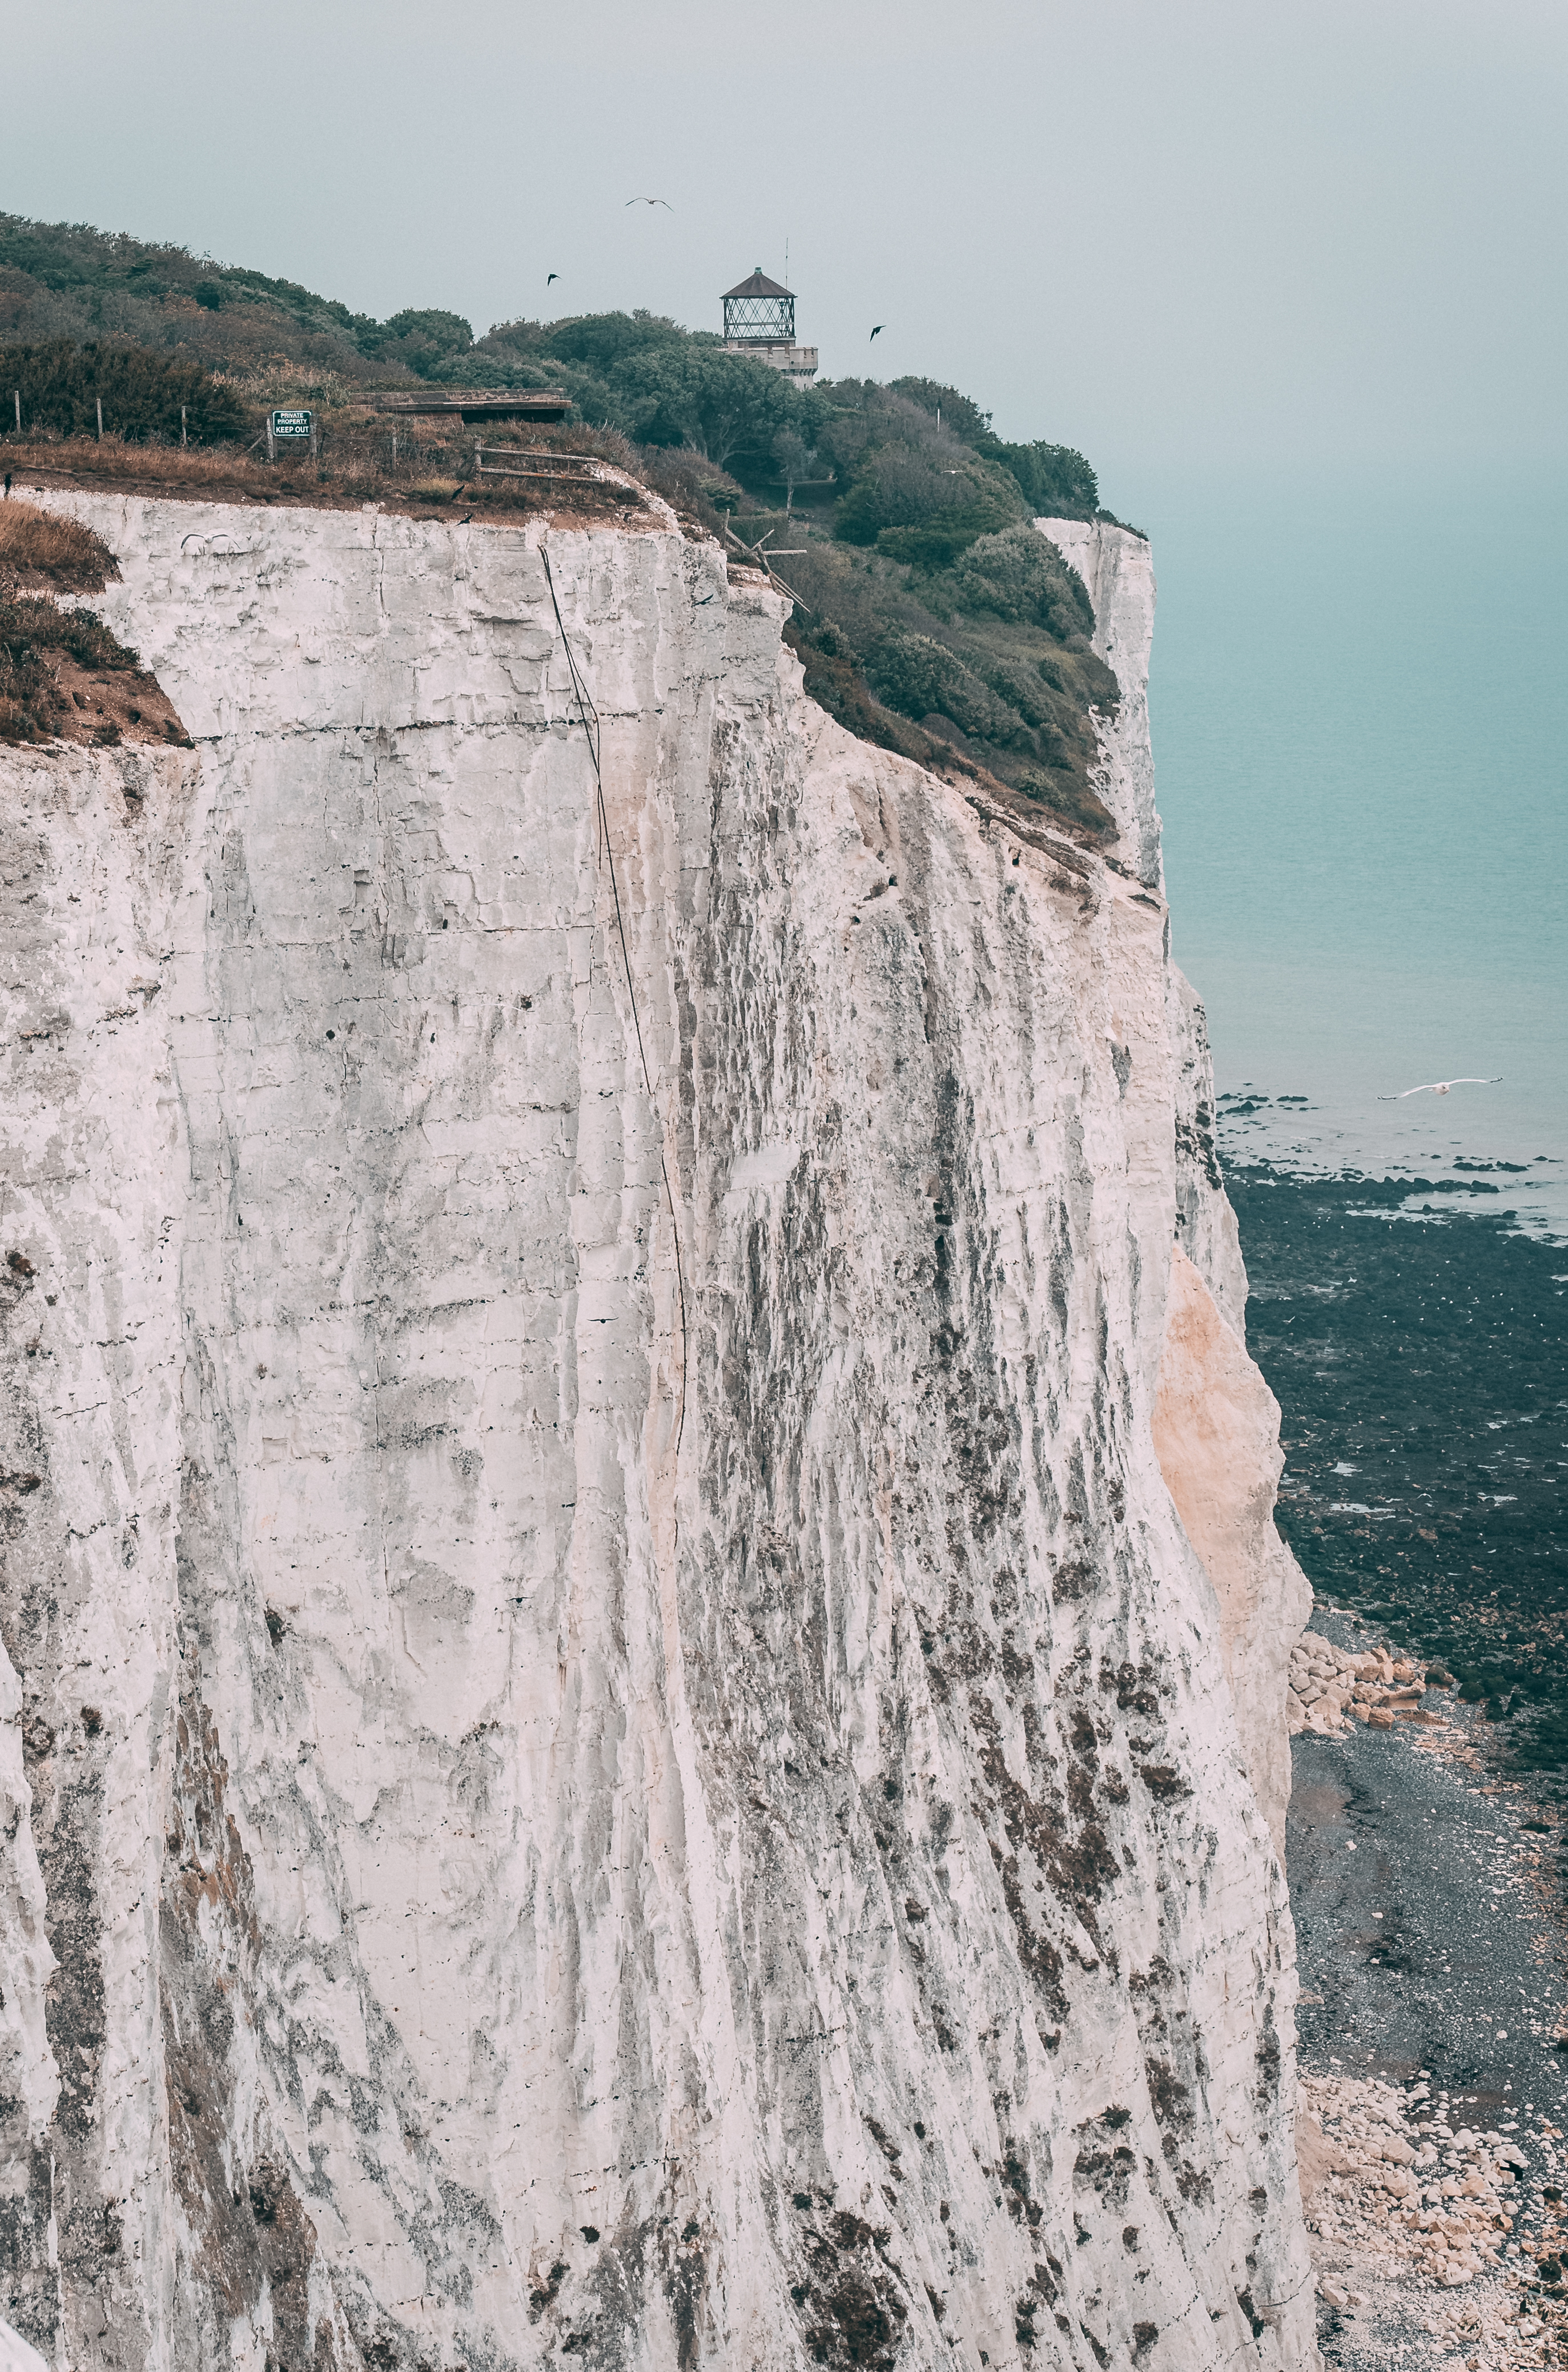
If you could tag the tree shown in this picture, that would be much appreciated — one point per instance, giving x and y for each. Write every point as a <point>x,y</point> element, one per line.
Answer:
<point>901,486</point>
<point>959,414</point>
<point>419,340</point>
<point>720,405</point>
<point>797,461</point>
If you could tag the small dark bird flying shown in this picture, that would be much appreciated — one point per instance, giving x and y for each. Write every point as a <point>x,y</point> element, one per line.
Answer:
<point>876,331</point>
<point>652,202</point>
<point>549,276</point>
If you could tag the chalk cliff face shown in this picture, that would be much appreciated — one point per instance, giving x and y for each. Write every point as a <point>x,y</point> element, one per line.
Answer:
<point>613,1744</point>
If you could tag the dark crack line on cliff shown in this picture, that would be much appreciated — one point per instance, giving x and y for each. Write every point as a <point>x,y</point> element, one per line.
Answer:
<point>462,726</point>
<point>586,710</point>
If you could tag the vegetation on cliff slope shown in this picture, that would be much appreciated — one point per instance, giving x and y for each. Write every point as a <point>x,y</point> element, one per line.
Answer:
<point>933,617</point>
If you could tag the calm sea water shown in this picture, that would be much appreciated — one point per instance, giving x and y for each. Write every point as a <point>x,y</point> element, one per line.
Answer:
<point>1360,711</point>
<point>1361,739</point>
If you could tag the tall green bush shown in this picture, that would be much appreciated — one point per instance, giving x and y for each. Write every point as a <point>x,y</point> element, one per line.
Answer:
<point>421,341</point>
<point>903,485</point>
<point>62,385</point>
<point>1054,481</point>
<point>1021,577</point>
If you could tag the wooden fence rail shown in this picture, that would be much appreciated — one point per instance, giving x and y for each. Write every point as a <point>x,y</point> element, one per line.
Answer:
<point>534,461</point>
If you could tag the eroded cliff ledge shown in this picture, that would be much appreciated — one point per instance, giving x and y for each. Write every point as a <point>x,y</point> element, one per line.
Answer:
<point>545,1824</point>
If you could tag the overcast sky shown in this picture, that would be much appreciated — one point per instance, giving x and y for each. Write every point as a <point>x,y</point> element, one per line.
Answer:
<point>1180,234</point>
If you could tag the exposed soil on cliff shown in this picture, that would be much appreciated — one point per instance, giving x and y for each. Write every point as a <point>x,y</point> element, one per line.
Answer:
<point>73,705</point>
<point>64,677</point>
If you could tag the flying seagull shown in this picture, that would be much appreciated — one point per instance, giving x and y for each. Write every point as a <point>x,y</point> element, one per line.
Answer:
<point>1439,1087</point>
<point>549,276</point>
<point>876,331</point>
<point>652,202</point>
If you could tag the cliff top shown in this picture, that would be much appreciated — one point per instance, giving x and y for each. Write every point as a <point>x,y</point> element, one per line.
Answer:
<point>931,619</point>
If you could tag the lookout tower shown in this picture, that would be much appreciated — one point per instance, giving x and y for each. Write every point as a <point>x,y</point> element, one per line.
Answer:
<point>758,320</point>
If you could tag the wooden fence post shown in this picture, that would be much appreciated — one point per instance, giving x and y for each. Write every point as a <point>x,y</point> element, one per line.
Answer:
<point>19,412</point>
<point>100,420</point>
<point>183,438</point>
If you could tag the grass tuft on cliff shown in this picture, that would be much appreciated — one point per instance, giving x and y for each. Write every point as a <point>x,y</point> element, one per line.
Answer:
<point>38,548</point>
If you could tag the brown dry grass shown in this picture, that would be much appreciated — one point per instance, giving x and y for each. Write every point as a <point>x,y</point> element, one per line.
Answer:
<point>92,458</point>
<point>433,466</point>
<point>37,548</point>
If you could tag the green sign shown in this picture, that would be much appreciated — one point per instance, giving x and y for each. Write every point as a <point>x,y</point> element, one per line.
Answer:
<point>293,423</point>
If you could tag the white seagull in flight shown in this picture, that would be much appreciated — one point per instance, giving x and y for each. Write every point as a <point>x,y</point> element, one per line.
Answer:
<point>1439,1087</point>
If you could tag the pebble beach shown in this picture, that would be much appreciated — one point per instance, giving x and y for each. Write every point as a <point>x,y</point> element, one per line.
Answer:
<point>1432,2023</point>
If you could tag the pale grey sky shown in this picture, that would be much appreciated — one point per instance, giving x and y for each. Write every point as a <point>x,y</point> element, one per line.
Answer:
<point>1249,232</point>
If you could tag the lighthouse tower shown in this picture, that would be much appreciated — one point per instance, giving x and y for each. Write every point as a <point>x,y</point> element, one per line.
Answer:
<point>758,320</point>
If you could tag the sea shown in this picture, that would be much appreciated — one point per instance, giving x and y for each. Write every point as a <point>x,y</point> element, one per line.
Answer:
<point>1359,700</point>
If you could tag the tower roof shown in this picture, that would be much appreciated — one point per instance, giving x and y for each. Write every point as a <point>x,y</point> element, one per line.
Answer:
<point>758,285</point>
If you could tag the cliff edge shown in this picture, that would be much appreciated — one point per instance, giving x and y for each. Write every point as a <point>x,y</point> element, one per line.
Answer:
<point>615,1745</point>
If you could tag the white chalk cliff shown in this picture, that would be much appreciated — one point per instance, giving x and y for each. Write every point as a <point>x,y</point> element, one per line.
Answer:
<point>560,1808</point>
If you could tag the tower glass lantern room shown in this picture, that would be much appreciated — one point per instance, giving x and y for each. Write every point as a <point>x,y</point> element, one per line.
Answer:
<point>758,312</point>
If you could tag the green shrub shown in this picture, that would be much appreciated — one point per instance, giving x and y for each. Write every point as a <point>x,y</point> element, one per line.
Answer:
<point>1020,576</point>
<point>956,412</point>
<point>600,343</point>
<point>474,369</point>
<point>934,485</point>
<point>62,385</point>
<point>421,341</point>
<point>935,546</point>
<point>919,677</point>
<point>1020,686</point>
<point>1054,481</point>
<point>836,682</point>
<point>722,405</point>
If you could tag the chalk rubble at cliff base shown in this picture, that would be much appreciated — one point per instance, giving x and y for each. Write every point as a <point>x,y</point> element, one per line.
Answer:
<point>615,1744</point>
<point>1401,2218</point>
<point>1329,1687</point>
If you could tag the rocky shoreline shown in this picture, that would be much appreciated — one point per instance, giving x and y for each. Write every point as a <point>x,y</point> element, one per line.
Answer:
<point>1433,2087</point>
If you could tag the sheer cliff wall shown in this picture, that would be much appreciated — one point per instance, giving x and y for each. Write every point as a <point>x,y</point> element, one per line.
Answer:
<point>598,1771</point>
